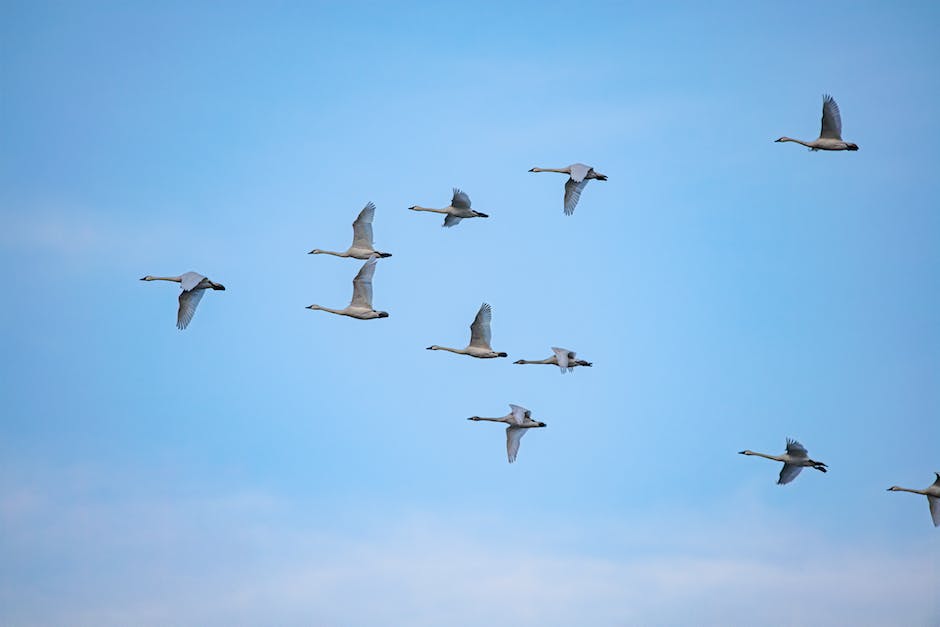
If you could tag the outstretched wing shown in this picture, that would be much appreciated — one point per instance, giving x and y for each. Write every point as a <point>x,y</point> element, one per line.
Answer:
<point>795,449</point>
<point>831,119</point>
<point>564,357</point>
<point>362,228</point>
<point>577,171</point>
<point>450,220</point>
<point>362,284</point>
<point>460,200</point>
<point>934,509</point>
<point>519,414</point>
<point>788,473</point>
<point>189,280</point>
<point>573,191</point>
<point>189,300</point>
<point>480,334</point>
<point>513,435</point>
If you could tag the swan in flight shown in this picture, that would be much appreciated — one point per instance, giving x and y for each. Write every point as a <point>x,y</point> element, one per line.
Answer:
<point>793,460</point>
<point>480,337</point>
<point>563,358</point>
<point>519,421</point>
<point>578,176</point>
<point>458,209</point>
<point>194,286</point>
<point>932,492</point>
<point>361,305</point>
<point>362,247</point>
<point>830,136</point>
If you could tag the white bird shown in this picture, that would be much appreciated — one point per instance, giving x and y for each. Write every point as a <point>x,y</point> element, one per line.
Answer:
<point>578,176</point>
<point>563,358</point>
<point>830,136</point>
<point>480,336</point>
<point>932,492</point>
<point>519,421</point>
<point>793,460</point>
<point>361,304</point>
<point>362,246</point>
<point>193,285</point>
<point>458,209</point>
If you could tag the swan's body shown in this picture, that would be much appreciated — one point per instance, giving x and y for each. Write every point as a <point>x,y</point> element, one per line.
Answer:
<point>519,420</point>
<point>563,358</point>
<point>830,135</point>
<point>362,246</point>
<point>480,337</point>
<point>932,492</point>
<point>794,460</point>
<point>458,209</point>
<point>361,304</point>
<point>194,286</point>
<point>578,176</point>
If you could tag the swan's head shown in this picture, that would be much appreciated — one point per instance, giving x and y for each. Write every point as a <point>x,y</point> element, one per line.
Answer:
<point>851,146</point>
<point>521,361</point>
<point>315,251</point>
<point>314,307</point>
<point>782,139</point>
<point>534,170</point>
<point>147,278</point>
<point>894,488</point>
<point>473,418</point>
<point>745,452</point>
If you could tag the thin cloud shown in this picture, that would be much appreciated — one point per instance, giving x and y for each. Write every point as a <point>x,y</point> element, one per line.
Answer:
<point>251,559</point>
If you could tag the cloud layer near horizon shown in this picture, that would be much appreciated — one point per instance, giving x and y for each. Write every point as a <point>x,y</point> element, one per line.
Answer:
<point>254,559</point>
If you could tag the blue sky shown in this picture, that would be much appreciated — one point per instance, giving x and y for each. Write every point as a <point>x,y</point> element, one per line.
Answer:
<point>276,465</point>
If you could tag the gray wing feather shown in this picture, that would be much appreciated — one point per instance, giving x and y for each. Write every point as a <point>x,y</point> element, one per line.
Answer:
<point>460,200</point>
<point>362,285</point>
<point>788,473</point>
<point>362,228</point>
<point>795,449</point>
<point>573,191</point>
<point>189,280</point>
<point>831,119</point>
<point>450,220</point>
<point>189,300</point>
<point>513,436</point>
<point>934,510</point>
<point>480,334</point>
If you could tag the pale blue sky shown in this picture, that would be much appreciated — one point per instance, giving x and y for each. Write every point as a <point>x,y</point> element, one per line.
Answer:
<point>273,465</point>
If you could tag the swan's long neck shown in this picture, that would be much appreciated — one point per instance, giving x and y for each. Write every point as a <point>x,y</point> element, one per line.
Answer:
<point>798,141</point>
<point>476,418</point>
<point>417,208</point>
<point>766,456</point>
<point>559,170</point>
<point>327,309</point>
<point>550,360</point>
<point>317,251</point>
<point>459,351</point>
<point>175,279</point>
<point>899,489</point>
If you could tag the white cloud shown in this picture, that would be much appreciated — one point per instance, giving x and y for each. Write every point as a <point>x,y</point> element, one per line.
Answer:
<point>253,560</point>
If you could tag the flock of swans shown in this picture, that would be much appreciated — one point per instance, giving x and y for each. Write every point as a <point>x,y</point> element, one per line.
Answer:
<point>519,419</point>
